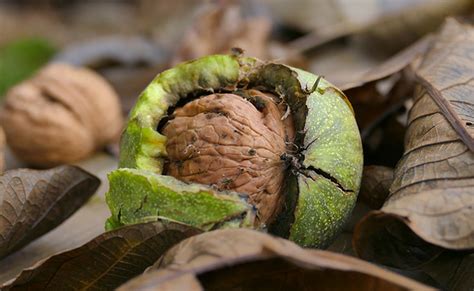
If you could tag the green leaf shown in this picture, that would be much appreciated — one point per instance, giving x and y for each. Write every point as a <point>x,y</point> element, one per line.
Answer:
<point>20,59</point>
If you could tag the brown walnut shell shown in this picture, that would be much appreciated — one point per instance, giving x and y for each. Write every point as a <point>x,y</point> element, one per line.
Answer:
<point>61,115</point>
<point>233,143</point>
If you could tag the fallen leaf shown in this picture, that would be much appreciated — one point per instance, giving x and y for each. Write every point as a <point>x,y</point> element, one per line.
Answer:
<point>383,141</point>
<point>417,275</point>
<point>105,262</point>
<point>393,65</point>
<point>221,27</point>
<point>432,196</point>
<point>382,90</point>
<point>452,270</point>
<point>33,202</point>
<point>447,75</point>
<point>375,185</point>
<point>242,259</point>
<point>377,94</point>
<point>392,31</point>
<point>85,224</point>
<point>387,239</point>
<point>379,27</point>
<point>341,64</point>
<point>343,242</point>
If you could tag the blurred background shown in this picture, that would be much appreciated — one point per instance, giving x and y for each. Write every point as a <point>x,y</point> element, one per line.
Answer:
<point>129,42</point>
<point>362,46</point>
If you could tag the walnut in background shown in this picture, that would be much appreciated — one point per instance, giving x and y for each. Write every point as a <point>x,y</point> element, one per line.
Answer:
<point>61,115</point>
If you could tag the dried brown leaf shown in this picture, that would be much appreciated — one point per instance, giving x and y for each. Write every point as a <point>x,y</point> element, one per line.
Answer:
<point>240,259</point>
<point>375,185</point>
<point>383,140</point>
<point>106,261</point>
<point>392,31</point>
<point>34,202</point>
<point>447,75</point>
<point>379,27</point>
<point>222,27</point>
<point>433,190</point>
<point>85,224</point>
<point>393,65</point>
<point>373,102</point>
<point>452,270</point>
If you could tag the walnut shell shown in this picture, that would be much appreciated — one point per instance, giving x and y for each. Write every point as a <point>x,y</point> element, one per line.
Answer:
<point>312,181</point>
<point>61,115</point>
<point>234,144</point>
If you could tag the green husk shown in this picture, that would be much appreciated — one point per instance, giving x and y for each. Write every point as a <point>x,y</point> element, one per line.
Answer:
<point>318,201</point>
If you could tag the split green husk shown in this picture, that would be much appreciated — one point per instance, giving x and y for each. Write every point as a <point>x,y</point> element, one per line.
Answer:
<point>319,195</point>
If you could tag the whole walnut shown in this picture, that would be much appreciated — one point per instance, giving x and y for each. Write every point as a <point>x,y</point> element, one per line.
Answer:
<point>227,141</point>
<point>61,115</point>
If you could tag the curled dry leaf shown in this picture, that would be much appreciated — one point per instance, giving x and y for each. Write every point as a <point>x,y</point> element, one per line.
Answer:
<point>61,115</point>
<point>370,104</point>
<point>105,262</point>
<point>452,270</point>
<point>383,141</point>
<point>240,259</point>
<point>379,26</point>
<point>378,98</point>
<point>393,65</point>
<point>374,189</point>
<point>34,202</point>
<point>221,27</point>
<point>392,31</point>
<point>432,195</point>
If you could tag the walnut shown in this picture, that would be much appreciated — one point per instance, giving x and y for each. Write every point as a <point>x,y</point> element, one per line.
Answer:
<point>60,115</point>
<point>232,143</point>
<point>228,141</point>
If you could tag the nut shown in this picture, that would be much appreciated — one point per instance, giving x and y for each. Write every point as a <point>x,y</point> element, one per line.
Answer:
<point>227,141</point>
<point>60,115</point>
